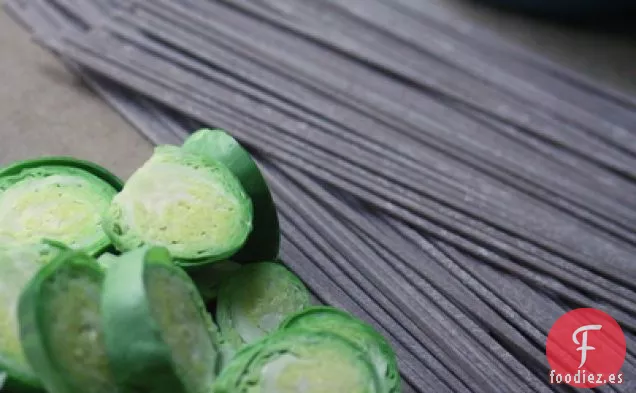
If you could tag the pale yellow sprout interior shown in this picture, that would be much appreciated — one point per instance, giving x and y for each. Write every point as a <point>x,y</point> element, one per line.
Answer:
<point>183,328</point>
<point>63,207</point>
<point>185,208</point>
<point>350,328</point>
<point>325,370</point>
<point>74,330</point>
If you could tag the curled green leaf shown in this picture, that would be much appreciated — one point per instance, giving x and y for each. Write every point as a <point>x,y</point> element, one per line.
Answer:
<point>264,242</point>
<point>159,337</point>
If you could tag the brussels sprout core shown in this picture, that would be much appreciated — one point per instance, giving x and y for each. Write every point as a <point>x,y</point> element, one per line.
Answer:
<point>55,202</point>
<point>299,361</point>
<point>194,207</point>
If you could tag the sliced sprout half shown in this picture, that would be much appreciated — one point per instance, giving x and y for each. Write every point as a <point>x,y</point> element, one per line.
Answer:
<point>60,326</point>
<point>159,336</point>
<point>60,199</point>
<point>264,241</point>
<point>87,166</point>
<point>299,361</point>
<point>208,278</point>
<point>256,299</point>
<point>329,319</point>
<point>194,207</point>
<point>18,265</point>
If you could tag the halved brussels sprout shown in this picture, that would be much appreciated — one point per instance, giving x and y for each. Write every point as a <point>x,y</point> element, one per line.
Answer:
<point>264,242</point>
<point>195,207</point>
<point>300,361</point>
<point>17,266</point>
<point>256,299</point>
<point>55,198</point>
<point>329,319</point>
<point>159,337</point>
<point>208,278</point>
<point>60,326</point>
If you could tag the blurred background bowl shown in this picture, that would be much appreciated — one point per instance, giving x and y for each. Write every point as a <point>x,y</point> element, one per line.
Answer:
<point>570,9</point>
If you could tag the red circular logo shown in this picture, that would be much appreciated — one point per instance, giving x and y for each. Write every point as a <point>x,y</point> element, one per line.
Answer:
<point>586,349</point>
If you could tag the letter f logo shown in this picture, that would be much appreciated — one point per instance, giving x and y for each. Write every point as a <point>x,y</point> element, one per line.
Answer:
<point>584,347</point>
<point>570,340</point>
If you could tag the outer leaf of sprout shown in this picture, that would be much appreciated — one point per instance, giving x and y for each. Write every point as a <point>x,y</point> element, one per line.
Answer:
<point>291,361</point>
<point>57,197</point>
<point>17,267</point>
<point>329,319</point>
<point>90,167</point>
<point>159,336</point>
<point>256,299</point>
<point>194,207</point>
<point>60,326</point>
<point>264,242</point>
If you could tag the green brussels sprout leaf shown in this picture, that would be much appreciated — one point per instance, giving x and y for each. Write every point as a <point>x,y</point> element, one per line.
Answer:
<point>264,242</point>
<point>159,337</point>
